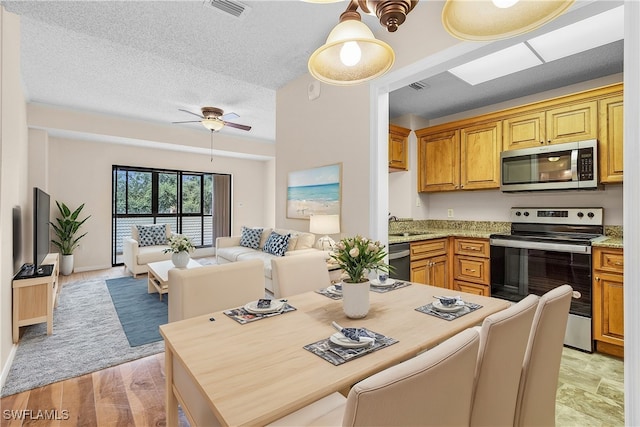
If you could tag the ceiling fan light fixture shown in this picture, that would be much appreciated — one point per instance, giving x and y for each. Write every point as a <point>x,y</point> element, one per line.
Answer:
<point>482,20</point>
<point>213,124</point>
<point>351,54</point>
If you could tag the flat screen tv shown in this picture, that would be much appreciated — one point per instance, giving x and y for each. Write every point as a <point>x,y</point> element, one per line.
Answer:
<point>41,239</point>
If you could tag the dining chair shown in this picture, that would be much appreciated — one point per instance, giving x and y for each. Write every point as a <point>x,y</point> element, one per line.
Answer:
<point>433,388</point>
<point>197,291</point>
<point>297,274</point>
<point>503,342</point>
<point>536,402</point>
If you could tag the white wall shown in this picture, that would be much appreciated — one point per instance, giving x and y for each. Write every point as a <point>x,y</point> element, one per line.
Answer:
<point>13,171</point>
<point>80,172</point>
<point>493,205</point>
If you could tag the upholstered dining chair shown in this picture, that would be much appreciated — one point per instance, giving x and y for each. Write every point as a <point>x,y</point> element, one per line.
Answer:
<point>197,291</point>
<point>503,342</point>
<point>433,388</point>
<point>296,274</point>
<point>536,403</point>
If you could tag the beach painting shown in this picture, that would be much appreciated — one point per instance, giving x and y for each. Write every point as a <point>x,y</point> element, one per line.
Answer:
<point>314,192</point>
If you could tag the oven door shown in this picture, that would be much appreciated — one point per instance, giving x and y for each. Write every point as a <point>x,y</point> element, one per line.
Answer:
<point>533,268</point>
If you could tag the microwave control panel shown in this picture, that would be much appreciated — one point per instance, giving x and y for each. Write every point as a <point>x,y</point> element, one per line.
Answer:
<point>585,164</point>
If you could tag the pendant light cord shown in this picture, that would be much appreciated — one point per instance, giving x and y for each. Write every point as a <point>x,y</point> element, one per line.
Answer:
<point>211,145</point>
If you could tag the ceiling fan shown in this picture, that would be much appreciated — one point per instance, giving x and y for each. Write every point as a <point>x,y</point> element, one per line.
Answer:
<point>214,119</point>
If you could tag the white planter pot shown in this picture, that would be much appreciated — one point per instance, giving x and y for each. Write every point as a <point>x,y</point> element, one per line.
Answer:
<point>355,299</point>
<point>180,259</point>
<point>66,265</point>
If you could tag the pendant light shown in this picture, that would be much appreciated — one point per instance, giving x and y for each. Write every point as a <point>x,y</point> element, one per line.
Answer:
<point>484,20</point>
<point>351,55</point>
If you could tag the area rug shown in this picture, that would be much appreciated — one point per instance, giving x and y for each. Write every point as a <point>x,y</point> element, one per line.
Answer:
<point>140,312</point>
<point>87,336</point>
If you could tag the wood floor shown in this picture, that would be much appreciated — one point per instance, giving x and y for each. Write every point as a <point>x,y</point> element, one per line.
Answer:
<point>590,391</point>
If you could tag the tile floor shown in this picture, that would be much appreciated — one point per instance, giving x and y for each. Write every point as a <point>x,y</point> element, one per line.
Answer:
<point>590,390</point>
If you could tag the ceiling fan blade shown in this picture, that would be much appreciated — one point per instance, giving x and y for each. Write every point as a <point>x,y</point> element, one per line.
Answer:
<point>189,121</point>
<point>229,116</point>
<point>187,111</point>
<point>237,126</point>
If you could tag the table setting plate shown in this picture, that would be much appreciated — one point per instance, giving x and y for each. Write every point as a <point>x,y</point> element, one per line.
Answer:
<point>438,306</point>
<point>387,283</point>
<point>276,305</point>
<point>342,341</point>
<point>333,290</point>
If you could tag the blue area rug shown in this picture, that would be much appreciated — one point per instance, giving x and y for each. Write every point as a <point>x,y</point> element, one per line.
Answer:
<point>140,313</point>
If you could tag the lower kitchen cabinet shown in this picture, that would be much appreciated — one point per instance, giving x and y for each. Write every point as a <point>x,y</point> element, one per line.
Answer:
<point>471,266</point>
<point>608,302</point>
<point>429,262</point>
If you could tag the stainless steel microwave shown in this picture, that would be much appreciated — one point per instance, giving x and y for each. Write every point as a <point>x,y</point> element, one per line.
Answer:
<point>572,165</point>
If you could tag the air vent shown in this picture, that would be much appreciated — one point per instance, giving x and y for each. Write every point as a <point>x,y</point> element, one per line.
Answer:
<point>230,7</point>
<point>418,85</point>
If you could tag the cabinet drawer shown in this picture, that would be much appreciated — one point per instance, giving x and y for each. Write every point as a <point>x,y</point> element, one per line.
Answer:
<point>471,269</point>
<point>471,247</point>
<point>471,288</point>
<point>428,248</point>
<point>611,260</point>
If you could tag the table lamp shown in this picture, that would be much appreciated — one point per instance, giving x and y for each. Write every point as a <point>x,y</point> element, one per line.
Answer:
<point>324,224</point>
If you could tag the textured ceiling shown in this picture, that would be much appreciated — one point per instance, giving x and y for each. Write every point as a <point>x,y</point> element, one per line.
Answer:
<point>148,59</point>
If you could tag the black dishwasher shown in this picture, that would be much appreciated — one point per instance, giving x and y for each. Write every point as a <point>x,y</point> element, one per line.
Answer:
<point>400,260</point>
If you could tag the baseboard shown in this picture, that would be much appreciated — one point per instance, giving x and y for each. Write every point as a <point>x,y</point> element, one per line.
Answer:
<point>91,268</point>
<point>7,366</point>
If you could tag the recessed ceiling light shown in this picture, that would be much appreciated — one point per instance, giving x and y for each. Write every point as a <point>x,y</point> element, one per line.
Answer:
<point>597,30</point>
<point>498,64</point>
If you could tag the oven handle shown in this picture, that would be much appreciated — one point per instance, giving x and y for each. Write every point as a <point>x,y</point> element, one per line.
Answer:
<point>557,247</point>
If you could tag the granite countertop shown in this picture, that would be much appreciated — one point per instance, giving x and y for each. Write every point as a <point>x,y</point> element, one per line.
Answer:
<point>404,231</point>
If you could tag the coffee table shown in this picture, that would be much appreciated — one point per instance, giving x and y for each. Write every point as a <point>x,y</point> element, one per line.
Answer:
<point>158,275</point>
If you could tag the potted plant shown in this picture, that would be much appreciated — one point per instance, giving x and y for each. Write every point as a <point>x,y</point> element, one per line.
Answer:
<point>180,246</point>
<point>65,230</point>
<point>356,256</point>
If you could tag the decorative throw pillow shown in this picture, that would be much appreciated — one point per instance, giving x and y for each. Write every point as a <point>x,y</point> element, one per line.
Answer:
<point>250,237</point>
<point>151,235</point>
<point>277,244</point>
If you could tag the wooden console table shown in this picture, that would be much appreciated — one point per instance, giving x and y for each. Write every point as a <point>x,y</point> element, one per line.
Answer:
<point>34,299</point>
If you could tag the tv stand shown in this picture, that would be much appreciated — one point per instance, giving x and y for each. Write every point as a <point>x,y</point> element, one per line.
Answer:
<point>35,296</point>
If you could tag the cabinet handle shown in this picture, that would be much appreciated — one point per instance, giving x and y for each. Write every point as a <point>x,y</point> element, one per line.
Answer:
<point>549,142</point>
<point>541,142</point>
<point>470,270</point>
<point>470,248</point>
<point>597,279</point>
<point>618,263</point>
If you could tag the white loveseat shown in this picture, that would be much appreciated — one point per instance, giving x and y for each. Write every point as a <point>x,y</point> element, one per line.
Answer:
<point>137,257</point>
<point>228,249</point>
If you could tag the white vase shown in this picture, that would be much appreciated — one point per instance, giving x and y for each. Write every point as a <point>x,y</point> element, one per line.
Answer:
<point>180,259</point>
<point>66,265</point>
<point>355,299</point>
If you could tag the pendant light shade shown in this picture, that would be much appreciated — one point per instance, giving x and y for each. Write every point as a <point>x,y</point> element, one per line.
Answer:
<point>484,20</point>
<point>351,55</point>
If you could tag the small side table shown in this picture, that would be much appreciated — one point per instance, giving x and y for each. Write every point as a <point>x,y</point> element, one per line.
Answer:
<point>158,275</point>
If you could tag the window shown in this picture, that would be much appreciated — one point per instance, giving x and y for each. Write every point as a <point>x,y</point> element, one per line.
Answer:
<point>193,203</point>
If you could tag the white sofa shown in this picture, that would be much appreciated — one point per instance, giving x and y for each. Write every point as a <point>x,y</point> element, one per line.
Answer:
<point>137,257</point>
<point>228,249</point>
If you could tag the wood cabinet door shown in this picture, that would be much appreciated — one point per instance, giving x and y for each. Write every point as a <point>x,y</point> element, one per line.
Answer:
<point>420,271</point>
<point>608,310</point>
<point>439,272</point>
<point>397,153</point>
<point>439,162</point>
<point>480,148</point>
<point>610,141</point>
<point>572,123</point>
<point>526,130</point>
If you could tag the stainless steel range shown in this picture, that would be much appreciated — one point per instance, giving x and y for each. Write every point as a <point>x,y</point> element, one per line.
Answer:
<point>547,248</point>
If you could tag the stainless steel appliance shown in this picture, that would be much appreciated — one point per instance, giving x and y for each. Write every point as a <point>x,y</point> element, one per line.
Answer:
<point>573,165</point>
<point>400,260</point>
<point>549,247</point>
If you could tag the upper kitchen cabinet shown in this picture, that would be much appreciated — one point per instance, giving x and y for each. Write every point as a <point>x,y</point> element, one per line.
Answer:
<point>398,148</point>
<point>610,130</point>
<point>554,126</point>
<point>459,159</point>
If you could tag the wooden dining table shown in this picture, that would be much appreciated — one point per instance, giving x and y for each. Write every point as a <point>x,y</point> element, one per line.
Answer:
<point>235,374</point>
